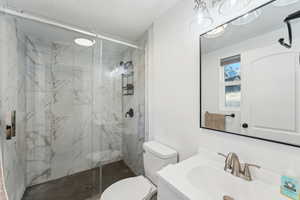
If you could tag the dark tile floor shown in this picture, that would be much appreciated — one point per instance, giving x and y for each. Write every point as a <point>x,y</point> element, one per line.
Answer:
<point>80,186</point>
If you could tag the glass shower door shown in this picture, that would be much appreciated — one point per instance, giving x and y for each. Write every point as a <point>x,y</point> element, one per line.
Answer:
<point>75,135</point>
<point>58,99</point>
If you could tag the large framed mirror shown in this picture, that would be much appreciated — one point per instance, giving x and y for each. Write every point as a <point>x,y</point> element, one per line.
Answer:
<point>250,75</point>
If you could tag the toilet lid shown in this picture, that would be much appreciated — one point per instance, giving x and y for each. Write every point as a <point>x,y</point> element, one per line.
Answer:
<point>136,188</point>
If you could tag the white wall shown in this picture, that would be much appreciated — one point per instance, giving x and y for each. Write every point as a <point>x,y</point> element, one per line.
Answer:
<point>174,97</point>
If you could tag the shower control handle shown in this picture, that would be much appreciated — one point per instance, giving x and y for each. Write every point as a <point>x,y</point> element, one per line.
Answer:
<point>245,125</point>
<point>129,113</point>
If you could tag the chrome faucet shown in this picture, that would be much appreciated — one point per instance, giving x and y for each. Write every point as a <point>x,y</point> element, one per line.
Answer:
<point>232,163</point>
<point>246,171</point>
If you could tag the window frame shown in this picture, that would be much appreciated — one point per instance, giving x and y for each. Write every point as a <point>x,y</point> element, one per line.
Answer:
<point>222,86</point>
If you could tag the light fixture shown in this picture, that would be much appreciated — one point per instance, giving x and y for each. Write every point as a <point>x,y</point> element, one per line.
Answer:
<point>84,42</point>
<point>202,18</point>
<point>280,3</point>
<point>227,7</point>
<point>247,18</point>
<point>216,32</point>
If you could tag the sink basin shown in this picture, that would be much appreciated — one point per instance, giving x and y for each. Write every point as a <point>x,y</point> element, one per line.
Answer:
<point>203,178</point>
<point>217,183</point>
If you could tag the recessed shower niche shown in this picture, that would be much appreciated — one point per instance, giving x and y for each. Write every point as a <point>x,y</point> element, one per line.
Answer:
<point>127,78</point>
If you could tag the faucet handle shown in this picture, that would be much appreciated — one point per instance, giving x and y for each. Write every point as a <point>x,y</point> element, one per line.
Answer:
<point>227,163</point>
<point>221,154</point>
<point>246,171</point>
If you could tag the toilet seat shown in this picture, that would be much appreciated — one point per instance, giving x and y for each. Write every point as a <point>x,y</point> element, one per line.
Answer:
<point>136,188</point>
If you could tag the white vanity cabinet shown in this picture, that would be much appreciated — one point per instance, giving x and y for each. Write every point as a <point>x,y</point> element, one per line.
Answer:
<point>165,192</point>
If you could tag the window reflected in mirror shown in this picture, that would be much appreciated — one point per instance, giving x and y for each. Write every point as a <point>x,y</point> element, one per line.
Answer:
<point>230,83</point>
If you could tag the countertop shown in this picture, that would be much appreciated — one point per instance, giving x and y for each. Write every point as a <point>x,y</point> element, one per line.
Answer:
<point>175,176</point>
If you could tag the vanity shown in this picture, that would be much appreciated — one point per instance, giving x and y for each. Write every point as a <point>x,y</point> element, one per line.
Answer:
<point>249,87</point>
<point>202,177</point>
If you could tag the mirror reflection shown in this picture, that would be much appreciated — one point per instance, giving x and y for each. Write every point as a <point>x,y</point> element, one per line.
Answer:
<point>250,74</point>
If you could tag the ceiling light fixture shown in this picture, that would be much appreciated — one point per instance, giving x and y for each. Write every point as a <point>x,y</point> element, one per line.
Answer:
<point>216,32</point>
<point>280,3</point>
<point>202,18</point>
<point>227,7</point>
<point>247,18</point>
<point>84,42</point>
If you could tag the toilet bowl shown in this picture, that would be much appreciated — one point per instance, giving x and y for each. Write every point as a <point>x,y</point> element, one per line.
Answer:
<point>156,156</point>
<point>136,188</point>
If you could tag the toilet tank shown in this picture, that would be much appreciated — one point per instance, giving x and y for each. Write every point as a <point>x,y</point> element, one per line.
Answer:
<point>157,156</point>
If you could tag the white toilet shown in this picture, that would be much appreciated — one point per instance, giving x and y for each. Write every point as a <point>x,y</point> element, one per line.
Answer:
<point>156,156</point>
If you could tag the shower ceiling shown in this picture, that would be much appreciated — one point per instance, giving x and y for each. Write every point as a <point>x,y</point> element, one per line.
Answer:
<point>125,19</point>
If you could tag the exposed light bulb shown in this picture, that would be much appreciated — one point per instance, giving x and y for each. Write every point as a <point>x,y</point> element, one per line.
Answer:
<point>201,20</point>
<point>227,7</point>
<point>233,2</point>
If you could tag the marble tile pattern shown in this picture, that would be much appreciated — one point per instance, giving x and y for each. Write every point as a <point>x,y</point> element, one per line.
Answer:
<point>12,97</point>
<point>107,104</point>
<point>58,111</point>
<point>69,107</point>
<point>74,110</point>
<point>134,128</point>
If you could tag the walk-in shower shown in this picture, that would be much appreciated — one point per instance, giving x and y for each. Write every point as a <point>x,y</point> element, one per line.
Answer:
<point>70,107</point>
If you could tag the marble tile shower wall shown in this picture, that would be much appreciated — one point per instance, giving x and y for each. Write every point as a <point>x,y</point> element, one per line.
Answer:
<point>73,111</point>
<point>107,110</point>
<point>69,108</point>
<point>134,128</point>
<point>38,141</point>
<point>59,107</point>
<point>12,97</point>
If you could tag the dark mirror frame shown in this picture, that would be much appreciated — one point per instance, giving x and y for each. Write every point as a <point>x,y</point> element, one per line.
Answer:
<point>200,79</point>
